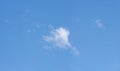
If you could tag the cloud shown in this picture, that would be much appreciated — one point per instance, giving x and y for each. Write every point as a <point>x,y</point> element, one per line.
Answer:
<point>99,24</point>
<point>60,38</point>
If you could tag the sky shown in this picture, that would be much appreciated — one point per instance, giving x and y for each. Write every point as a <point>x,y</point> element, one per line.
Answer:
<point>59,35</point>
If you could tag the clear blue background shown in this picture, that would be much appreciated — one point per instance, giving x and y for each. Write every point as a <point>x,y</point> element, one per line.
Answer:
<point>23,22</point>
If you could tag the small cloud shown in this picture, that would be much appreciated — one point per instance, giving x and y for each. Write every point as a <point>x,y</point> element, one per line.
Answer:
<point>6,21</point>
<point>27,11</point>
<point>75,51</point>
<point>99,24</point>
<point>60,38</point>
<point>37,26</point>
<point>29,31</point>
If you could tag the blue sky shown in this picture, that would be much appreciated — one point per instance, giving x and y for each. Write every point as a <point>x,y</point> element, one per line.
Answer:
<point>90,27</point>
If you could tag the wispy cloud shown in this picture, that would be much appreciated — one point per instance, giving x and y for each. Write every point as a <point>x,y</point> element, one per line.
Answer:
<point>99,24</point>
<point>60,38</point>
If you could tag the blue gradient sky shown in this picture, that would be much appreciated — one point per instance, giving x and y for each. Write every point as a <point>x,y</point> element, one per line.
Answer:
<point>24,22</point>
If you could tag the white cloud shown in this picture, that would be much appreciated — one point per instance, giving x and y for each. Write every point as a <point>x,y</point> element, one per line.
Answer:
<point>99,24</point>
<point>60,38</point>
